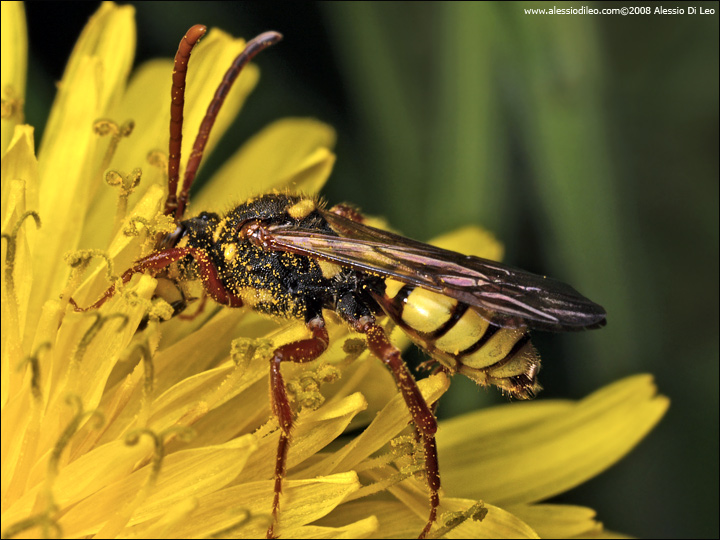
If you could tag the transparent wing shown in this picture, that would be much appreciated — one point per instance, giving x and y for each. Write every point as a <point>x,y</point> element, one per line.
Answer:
<point>515,297</point>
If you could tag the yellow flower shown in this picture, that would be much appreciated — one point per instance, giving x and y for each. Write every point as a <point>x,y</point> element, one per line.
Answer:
<point>109,431</point>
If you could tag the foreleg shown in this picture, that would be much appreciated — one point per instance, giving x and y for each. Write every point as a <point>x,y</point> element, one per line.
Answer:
<point>162,259</point>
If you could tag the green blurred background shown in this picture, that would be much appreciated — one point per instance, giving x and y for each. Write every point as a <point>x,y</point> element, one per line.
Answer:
<point>587,144</point>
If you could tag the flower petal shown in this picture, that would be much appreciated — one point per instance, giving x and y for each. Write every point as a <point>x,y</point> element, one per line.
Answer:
<point>396,520</point>
<point>19,166</point>
<point>183,475</point>
<point>13,69</point>
<point>555,450</point>
<point>85,370</point>
<point>362,528</point>
<point>93,81</point>
<point>19,195</point>
<point>311,500</point>
<point>270,160</point>
<point>88,475</point>
<point>558,520</point>
<point>394,417</point>
<point>194,473</point>
<point>314,431</point>
<point>147,103</point>
<point>471,240</point>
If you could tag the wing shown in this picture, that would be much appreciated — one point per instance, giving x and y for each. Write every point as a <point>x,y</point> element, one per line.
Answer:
<point>515,297</point>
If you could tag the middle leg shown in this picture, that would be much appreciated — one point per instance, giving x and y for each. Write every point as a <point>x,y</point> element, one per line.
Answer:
<point>305,350</point>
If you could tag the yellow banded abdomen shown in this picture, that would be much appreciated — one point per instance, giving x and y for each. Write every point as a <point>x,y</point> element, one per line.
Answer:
<point>463,339</point>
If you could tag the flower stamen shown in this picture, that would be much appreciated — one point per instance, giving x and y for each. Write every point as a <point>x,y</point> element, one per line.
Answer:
<point>91,332</point>
<point>452,520</point>
<point>160,310</point>
<point>159,159</point>
<point>126,184</point>
<point>78,261</point>
<point>148,379</point>
<point>115,525</point>
<point>67,434</point>
<point>38,520</point>
<point>105,127</point>
<point>244,350</point>
<point>402,448</point>
<point>306,387</point>
<point>15,332</point>
<point>159,440</point>
<point>34,362</point>
<point>60,445</point>
<point>11,240</point>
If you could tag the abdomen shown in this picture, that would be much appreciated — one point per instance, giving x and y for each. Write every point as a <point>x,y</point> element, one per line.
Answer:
<point>464,339</point>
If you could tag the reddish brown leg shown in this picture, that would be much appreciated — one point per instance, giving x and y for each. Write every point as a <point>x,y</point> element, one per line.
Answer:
<point>305,350</point>
<point>157,261</point>
<point>422,415</point>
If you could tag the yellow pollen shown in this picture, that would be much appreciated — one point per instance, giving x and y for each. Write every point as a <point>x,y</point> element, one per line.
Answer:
<point>230,251</point>
<point>301,209</point>
<point>329,270</point>
<point>218,230</point>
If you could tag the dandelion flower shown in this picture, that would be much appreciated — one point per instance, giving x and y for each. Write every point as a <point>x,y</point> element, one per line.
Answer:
<point>166,431</point>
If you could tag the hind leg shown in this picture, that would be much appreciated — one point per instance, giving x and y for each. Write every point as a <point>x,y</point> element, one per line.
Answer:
<point>422,415</point>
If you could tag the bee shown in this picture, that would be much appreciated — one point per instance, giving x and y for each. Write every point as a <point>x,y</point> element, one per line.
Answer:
<point>288,255</point>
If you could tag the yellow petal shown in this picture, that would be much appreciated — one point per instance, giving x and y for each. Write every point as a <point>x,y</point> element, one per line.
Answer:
<point>19,166</point>
<point>85,371</point>
<point>558,520</point>
<point>269,161</point>
<point>311,500</point>
<point>394,417</point>
<point>192,386</point>
<point>19,196</point>
<point>13,69</point>
<point>193,473</point>
<point>396,520</point>
<point>552,454</point>
<point>471,240</point>
<point>363,528</point>
<point>498,523</point>
<point>92,472</point>
<point>183,475</point>
<point>313,432</point>
<point>123,250</point>
<point>311,175</point>
<point>371,377</point>
<point>147,103</point>
<point>93,80</point>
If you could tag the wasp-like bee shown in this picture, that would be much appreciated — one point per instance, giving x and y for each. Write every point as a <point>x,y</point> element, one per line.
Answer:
<point>290,256</point>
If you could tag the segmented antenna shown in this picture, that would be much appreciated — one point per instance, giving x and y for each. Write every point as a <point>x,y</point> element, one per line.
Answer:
<point>177,93</point>
<point>254,46</point>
